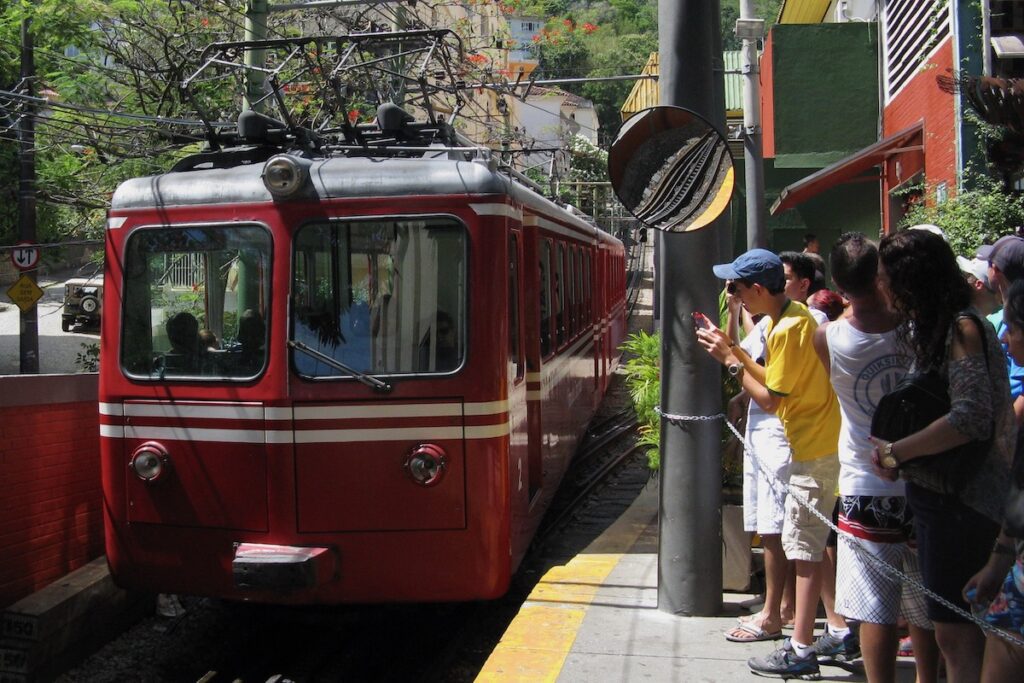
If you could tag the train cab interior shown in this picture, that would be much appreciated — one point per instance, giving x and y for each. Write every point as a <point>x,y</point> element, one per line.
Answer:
<point>382,297</point>
<point>196,302</point>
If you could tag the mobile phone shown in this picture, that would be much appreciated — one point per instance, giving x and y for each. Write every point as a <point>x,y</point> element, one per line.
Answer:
<point>700,321</point>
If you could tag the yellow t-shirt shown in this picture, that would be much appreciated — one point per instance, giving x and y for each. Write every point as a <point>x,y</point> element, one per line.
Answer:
<point>809,410</point>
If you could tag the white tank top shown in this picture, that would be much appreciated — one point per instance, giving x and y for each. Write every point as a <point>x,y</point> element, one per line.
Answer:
<point>864,367</point>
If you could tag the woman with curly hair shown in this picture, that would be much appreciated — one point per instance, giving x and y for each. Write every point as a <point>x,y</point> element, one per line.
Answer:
<point>955,532</point>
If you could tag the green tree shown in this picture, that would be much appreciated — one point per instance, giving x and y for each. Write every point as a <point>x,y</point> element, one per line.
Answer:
<point>623,55</point>
<point>729,39</point>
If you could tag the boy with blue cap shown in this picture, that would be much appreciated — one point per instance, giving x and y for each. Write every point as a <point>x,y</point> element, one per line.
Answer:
<point>794,385</point>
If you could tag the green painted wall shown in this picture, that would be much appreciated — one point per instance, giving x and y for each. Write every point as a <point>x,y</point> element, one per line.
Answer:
<point>825,92</point>
<point>847,207</point>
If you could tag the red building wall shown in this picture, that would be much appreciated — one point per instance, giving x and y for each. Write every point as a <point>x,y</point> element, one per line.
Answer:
<point>51,519</point>
<point>922,100</point>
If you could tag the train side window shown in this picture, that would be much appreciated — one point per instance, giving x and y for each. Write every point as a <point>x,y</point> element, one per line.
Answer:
<point>196,301</point>
<point>545,298</point>
<point>580,296</point>
<point>559,287</point>
<point>587,302</point>
<point>571,292</point>
<point>514,346</point>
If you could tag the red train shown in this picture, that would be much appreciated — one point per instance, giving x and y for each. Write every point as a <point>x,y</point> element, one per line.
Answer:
<point>351,375</point>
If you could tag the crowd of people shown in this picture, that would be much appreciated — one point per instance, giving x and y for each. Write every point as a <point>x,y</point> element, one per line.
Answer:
<point>924,545</point>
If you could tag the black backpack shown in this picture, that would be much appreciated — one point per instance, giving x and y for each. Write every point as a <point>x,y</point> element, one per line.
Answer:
<point>919,399</point>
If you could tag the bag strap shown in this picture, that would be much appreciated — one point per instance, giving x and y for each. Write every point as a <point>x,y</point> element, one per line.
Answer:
<point>967,313</point>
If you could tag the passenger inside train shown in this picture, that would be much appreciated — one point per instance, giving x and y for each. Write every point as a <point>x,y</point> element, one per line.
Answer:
<point>183,335</point>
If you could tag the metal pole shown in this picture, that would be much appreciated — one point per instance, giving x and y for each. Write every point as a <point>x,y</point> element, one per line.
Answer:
<point>29,333</point>
<point>753,154</point>
<point>690,536</point>
<point>255,29</point>
<point>986,38</point>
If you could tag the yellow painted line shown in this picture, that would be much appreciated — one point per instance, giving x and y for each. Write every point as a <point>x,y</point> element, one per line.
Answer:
<point>541,636</point>
<point>535,645</point>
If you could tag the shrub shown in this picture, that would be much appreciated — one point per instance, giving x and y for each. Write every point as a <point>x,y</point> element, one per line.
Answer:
<point>643,377</point>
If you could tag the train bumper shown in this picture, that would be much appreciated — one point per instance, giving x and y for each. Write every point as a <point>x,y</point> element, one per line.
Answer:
<point>281,567</point>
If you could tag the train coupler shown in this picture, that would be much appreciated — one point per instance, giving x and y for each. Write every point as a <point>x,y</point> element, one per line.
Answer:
<point>257,566</point>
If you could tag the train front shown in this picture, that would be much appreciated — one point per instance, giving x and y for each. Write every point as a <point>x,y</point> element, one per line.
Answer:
<point>290,411</point>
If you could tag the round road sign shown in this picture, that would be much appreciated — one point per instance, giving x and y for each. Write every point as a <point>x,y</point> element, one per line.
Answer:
<point>24,256</point>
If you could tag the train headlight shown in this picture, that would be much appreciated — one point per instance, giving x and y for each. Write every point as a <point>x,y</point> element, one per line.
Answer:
<point>426,464</point>
<point>149,461</point>
<point>283,175</point>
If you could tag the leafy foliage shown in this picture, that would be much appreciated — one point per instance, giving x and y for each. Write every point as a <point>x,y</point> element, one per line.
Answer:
<point>978,214</point>
<point>88,359</point>
<point>131,55</point>
<point>643,377</point>
<point>642,354</point>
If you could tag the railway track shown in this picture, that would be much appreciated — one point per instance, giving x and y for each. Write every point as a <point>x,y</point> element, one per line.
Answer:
<point>685,183</point>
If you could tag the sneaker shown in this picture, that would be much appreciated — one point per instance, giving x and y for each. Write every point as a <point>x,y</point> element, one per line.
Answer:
<point>832,649</point>
<point>784,663</point>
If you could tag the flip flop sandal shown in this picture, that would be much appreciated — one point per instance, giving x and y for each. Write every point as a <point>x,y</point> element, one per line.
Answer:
<point>749,619</point>
<point>747,632</point>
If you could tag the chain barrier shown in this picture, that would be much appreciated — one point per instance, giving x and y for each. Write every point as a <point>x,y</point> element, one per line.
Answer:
<point>852,541</point>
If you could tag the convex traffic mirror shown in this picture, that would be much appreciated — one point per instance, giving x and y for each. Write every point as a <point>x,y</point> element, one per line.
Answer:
<point>671,169</point>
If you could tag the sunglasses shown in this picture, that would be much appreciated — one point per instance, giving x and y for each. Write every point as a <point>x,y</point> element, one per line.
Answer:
<point>731,288</point>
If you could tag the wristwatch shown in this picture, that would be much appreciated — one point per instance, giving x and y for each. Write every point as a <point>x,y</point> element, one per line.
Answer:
<point>735,369</point>
<point>889,460</point>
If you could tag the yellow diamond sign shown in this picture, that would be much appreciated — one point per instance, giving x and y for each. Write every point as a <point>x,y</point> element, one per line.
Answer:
<point>24,292</point>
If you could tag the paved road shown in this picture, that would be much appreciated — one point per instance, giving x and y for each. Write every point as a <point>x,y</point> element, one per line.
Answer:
<point>58,350</point>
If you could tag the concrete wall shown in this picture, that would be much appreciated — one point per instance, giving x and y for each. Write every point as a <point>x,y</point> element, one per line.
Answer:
<point>51,515</point>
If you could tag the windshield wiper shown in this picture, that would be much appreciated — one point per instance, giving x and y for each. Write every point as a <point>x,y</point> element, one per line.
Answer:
<point>368,380</point>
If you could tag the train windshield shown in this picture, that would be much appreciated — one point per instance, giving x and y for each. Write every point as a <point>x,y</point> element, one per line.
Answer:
<point>195,302</point>
<point>381,297</point>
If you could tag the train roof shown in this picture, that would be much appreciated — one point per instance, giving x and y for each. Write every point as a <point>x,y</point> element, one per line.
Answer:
<point>208,183</point>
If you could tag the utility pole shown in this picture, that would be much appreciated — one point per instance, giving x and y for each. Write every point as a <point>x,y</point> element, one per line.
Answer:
<point>690,531</point>
<point>255,29</point>
<point>29,332</point>
<point>750,30</point>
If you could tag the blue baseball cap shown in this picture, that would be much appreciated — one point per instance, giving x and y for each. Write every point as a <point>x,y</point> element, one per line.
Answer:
<point>986,252</point>
<point>756,266</point>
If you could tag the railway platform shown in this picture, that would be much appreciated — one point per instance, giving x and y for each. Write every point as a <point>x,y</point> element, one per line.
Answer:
<point>595,617</point>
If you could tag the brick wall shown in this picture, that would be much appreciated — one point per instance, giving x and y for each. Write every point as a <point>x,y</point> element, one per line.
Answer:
<point>922,100</point>
<point>51,519</point>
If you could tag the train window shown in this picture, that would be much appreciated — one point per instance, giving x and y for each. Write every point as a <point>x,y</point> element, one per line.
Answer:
<point>195,302</point>
<point>579,288</point>
<point>588,304</point>
<point>559,287</point>
<point>545,298</point>
<point>379,297</point>
<point>571,291</point>
<point>514,353</point>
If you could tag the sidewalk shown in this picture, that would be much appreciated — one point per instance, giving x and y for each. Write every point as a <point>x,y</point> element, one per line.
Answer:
<point>595,618</point>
